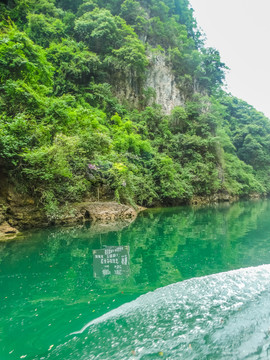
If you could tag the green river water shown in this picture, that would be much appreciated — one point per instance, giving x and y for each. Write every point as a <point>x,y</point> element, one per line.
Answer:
<point>177,283</point>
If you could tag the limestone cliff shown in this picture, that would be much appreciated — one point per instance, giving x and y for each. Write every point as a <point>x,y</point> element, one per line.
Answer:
<point>158,86</point>
<point>160,77</point>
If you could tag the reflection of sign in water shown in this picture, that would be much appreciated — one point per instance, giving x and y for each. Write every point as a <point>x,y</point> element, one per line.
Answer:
<point>113,260</point>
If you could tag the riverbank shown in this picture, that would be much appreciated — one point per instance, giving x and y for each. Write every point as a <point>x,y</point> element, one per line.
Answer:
<point>23,216</point>
<point>19,212</point>
<point>213,198</point>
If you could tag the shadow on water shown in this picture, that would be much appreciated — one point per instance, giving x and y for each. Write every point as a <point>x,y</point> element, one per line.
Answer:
<point>48,287</point>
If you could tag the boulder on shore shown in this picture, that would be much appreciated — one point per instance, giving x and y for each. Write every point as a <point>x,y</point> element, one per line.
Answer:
<point>7,232</point>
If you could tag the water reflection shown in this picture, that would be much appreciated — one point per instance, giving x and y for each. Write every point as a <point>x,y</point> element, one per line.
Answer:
<point>52,283</point>
<point>111,261</point>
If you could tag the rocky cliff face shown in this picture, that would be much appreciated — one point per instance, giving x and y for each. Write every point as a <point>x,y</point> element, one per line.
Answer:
<point>160,77</point>
<point>159,86</point>
<point>17,210</point>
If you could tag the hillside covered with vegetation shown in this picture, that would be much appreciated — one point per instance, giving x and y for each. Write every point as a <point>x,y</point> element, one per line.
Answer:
<point>66,134</point>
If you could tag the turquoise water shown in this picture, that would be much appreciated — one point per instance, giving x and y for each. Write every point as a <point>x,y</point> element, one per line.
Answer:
<point>161,287</point>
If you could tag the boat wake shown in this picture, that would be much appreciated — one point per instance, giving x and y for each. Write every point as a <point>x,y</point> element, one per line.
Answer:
<point>222,316</point>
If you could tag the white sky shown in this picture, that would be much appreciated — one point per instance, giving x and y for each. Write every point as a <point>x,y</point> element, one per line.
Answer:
<point>240,30</point>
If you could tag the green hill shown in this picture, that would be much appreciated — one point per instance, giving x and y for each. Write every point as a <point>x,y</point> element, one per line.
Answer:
<point>121,100</point>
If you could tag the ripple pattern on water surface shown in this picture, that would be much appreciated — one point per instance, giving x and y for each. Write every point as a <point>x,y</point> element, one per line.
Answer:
<point>222,316</point>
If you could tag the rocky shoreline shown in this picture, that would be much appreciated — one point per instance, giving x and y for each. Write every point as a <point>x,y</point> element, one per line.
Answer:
<point>20,212</point>
<point>18,218</point>
<point>212,199</point>
<point>221,197</point>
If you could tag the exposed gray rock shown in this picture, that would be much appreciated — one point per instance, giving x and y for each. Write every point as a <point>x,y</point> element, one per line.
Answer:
<point>129,88</point>
<point>160,77</point>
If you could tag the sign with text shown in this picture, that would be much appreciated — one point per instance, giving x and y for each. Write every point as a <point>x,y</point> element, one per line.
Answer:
<point>112,260</point>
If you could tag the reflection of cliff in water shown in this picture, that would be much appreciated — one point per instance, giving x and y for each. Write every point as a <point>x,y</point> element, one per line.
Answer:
<point>166,245</point>
<point>185,242</point>
<point>53,269</point>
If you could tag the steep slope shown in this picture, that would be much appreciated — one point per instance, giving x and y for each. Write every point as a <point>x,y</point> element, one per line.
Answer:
<point>121,100</point>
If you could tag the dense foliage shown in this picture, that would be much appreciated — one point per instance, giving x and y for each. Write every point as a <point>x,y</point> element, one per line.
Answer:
<point>64,133</point>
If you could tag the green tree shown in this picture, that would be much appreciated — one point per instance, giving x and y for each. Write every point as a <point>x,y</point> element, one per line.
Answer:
<point>76,66</point>
<point>42,29</point>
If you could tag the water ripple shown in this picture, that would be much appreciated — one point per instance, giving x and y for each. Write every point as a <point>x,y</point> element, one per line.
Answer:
<point>222,316</point>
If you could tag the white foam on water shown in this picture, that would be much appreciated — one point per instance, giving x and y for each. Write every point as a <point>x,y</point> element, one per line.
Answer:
<point>222,316</point>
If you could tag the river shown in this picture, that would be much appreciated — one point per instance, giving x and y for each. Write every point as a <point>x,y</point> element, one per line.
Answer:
<point>178,283</point>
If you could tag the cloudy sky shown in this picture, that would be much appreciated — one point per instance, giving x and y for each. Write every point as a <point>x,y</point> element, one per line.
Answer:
<point>240,30</point>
